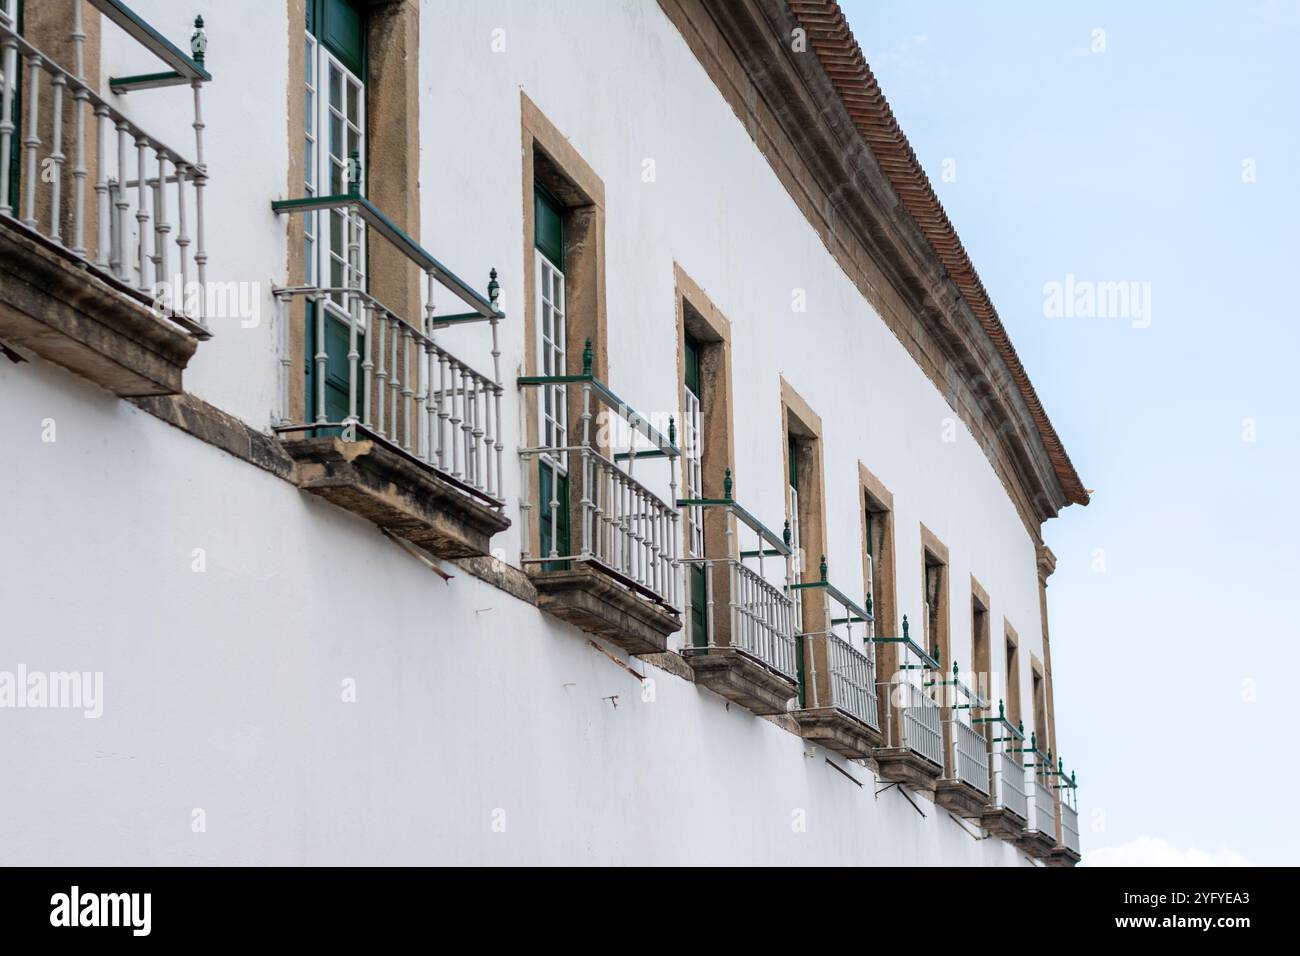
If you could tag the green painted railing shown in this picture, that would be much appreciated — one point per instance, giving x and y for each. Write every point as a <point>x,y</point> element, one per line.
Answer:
<point>185,70</point>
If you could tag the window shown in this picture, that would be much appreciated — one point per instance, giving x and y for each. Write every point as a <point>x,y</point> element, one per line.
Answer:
<point>934,609</point>
<point>704,336</point>
<point>334,130</point>
<point>563,213</point>
<point>806,514</point>
<point>1040,707</point>
<point>1012,676</point>
<point>796,535</point>
<point>980,644</point>
<point>878,556</point>
<point>693,463</point>
<point>553,351</point>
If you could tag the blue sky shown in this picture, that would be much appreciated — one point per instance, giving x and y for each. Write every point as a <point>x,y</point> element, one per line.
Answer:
<point>1174,634</point>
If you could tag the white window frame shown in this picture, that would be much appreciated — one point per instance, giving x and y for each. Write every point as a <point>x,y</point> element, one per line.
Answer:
<point>797,549</point>
<point>692,420</point>
<point>552,359</point>
<point>321,163</point>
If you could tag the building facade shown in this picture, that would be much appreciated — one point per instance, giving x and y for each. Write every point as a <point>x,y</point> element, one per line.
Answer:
<point>505,432</point>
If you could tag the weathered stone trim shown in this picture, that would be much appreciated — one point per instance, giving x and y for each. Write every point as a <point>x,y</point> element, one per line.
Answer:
<point>799,419</point>
<point>873,493</point>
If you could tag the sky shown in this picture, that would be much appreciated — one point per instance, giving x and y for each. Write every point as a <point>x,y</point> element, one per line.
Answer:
<point>1080,143</point>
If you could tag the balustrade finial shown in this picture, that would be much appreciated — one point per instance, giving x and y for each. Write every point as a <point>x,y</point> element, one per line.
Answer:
<point>871,612</point>
<point>587,358</point>
<point>1033,740</point>
<point>354,173</point>
<point>672,431</point>
<point>494,288</point>
<point>1021,727</point>
<point>1002,714</point>
<point>823,569</point>
<point>1060,765</point>
<point>904,627</point>
<point>1074,783</point>
<point>199,41</point>
<point>955,672</point>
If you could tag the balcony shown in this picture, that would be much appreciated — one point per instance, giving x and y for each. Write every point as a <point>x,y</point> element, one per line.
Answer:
<point>840,708</point>
<point>1039,836</point>
<point>1008,807</point>
<point>1069,851</point>
<point>388,423</point>
<point>95,261</point>
<point>912,751</point>
<point>964,788</point>
<point>617,577</point>
<point>741,644</point>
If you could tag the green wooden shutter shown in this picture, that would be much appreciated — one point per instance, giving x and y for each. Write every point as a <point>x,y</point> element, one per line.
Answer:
<point>791,445</point>
<point>548,226</point>
<point>560,534</point>
<point>692,350</point>
<point>341,26</point>
<point>337,341</point>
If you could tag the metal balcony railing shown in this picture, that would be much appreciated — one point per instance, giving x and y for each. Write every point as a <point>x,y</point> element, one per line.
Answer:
<point>918,716</point>
<point>968,749</point>
<point>136,222</point>
<point>1067,789</point>
<point>970,756</point>
<point>922,730</point>
<point>1042,799</point>
<point>1070,827</point>
<point>381,375</point>
<point>624,528</point>
<point>759,620</point>
<point>850,654</point>
<point>1009,785</point>
<point>1007,776</point>
<point>1042,808</point>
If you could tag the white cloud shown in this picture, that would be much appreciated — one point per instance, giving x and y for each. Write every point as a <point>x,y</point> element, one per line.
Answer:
<point>1152,851</point>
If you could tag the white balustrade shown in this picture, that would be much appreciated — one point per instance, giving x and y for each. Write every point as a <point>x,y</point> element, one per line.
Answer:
<point>145,195</point>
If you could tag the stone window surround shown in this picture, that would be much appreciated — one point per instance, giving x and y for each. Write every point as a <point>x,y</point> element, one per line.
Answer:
<point>550,159</point>
<point>874,497</point>
<point>392,146</point>
<point>1011,646</point>
<point>981,664</point>
<point>799,419</point>
<point>698,316</point>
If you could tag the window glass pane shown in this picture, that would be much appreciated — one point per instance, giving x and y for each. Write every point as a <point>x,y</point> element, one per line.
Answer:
<point>353,100</point>
<point>336,87</point>
<point>336,136</point>
<point>336,230</point>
